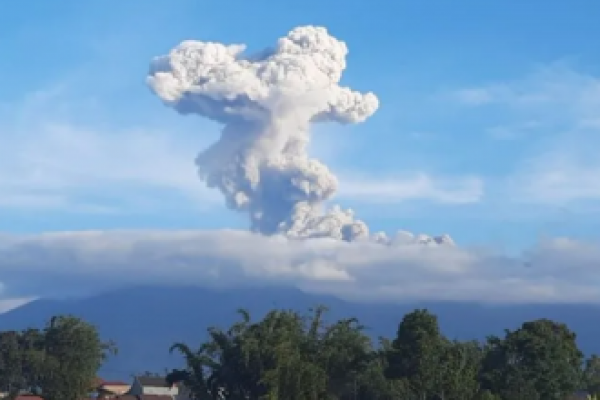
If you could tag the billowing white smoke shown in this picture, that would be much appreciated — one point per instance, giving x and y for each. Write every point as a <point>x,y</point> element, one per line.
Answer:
<point>267,103</point>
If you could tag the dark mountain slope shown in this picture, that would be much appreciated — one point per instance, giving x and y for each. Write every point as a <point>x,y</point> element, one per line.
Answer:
<point>145,321</point>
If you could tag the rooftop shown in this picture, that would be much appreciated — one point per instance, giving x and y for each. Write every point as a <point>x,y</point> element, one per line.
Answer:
<point>152,381</point>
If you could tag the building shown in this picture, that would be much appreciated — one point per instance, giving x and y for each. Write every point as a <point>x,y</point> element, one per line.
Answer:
<point>111,389</point>
<point>142,388</point>
<point>150,385</point>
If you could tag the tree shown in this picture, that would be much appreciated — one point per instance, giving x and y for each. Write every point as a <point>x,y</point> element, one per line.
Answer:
<point>21,360</point>
<point>539,360</point>
<point>285,355</point>
<point>72,354</point>
<point>194,376</point>
<point>373,384</point>
<point>416,354</point>
<point>459,367</point>
<point>486,395</point>
<point>591,375</point>
<point>11,377</point>
<point>57,363</point>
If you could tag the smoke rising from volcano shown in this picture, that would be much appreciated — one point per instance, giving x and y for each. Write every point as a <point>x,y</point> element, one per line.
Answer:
<point>267,103</point>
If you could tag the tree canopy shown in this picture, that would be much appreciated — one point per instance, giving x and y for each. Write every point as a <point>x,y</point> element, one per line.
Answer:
<point>59,362</point>
<point>287,355</point>
<point>295,356</point>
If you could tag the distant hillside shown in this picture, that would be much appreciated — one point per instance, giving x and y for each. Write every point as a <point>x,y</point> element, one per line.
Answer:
<point>145,321</point>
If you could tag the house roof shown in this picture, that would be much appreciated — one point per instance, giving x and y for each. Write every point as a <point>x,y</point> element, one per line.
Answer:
<point>114,383</point>
<point>34,397</point>
<point>153,381</point>
<point>123,397</point>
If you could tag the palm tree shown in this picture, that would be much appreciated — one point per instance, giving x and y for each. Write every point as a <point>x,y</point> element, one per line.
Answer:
<point>284,355</point>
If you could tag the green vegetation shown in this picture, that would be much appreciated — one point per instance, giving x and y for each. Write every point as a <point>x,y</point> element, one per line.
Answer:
<point>58,362</point>
<point>291,356</point>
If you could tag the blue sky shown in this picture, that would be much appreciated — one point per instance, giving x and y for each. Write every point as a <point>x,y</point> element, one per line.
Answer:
<point>487,128</point>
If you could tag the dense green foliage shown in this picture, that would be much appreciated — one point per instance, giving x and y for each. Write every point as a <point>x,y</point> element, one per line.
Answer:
<point>291,356</point>
<point>288,355</point>
<point>58,362</point>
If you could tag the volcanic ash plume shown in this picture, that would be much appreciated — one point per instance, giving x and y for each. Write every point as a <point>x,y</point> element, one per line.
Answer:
<point>267,103</point>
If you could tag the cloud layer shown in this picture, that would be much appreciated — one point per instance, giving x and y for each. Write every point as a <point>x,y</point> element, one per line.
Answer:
<point>48,161</point>
<point>55,156</point>
<point>412,187</point>
<point>51,161</point>
<point>553,114</point>
<point>559,270</point>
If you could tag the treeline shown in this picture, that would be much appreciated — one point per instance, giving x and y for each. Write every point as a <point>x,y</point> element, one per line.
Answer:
<point>291,356</point>
<point>59,362</point>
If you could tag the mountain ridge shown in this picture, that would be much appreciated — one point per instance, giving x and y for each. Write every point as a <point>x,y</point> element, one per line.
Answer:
<point>145,321</point>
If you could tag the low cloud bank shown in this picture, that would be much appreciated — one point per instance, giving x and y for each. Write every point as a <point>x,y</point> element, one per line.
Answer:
<point>62,263</point>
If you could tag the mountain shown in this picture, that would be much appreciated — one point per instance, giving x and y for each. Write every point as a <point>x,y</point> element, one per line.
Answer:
<point>146,321</point>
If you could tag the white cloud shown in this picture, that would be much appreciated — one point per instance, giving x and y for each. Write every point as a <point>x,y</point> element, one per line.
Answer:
<point>56,155</point>
<point>407,187</point>
<point>10,304</point>
<point>557,179</point>
<point>559,270</point>
<point>572,95</point>
<point>554,111</point>
<point>476,96</point>
<point>49,162</point>
<point>64,160</point>
<point>564,168</point>
<point>521,130</point>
